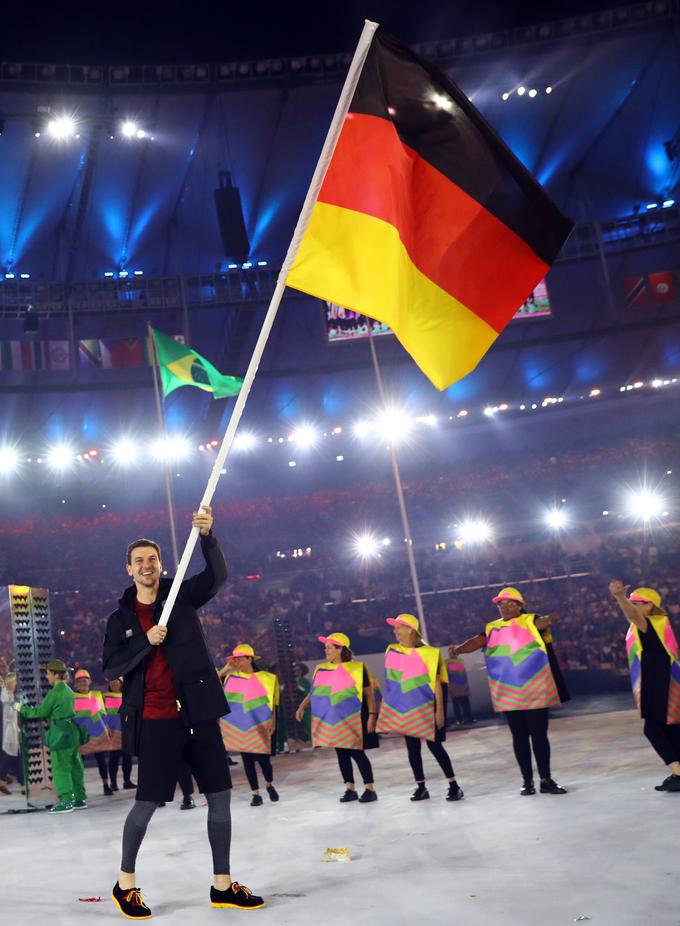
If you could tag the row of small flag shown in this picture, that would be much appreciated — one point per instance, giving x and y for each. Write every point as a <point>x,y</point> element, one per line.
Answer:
<point>96,353</point>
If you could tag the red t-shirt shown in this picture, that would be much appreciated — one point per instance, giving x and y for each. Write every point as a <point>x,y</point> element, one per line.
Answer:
<point>160,697</point>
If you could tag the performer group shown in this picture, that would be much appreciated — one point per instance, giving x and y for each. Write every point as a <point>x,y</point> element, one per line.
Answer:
<point>167,705</point>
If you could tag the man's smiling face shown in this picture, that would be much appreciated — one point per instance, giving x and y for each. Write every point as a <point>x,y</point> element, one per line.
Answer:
<point>145,567</point>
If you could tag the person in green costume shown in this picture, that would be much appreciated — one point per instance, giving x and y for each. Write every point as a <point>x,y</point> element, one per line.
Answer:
<point>63,739</point>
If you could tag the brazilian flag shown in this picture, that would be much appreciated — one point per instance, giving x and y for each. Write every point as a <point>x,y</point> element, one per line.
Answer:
<point>182,366</point>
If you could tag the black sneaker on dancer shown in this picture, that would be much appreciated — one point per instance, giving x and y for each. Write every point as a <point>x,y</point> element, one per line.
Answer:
<point>273,793</point>
<point>130,903</point>
<point>107,790</point>
<point>420,794</point>
<point>187,803</point>
<point>368,797</point>
<point>548,786</point>
<point>129,785</point>
<point>114,786</point>
<point>349,796</point>
<point>256,801</point>
<point>672,783</point>
<point>528,787</point>
<point>455,792</point>
<point>238,896</point>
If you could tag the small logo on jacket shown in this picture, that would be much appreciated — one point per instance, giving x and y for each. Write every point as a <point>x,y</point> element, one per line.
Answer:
<point>128,633</point>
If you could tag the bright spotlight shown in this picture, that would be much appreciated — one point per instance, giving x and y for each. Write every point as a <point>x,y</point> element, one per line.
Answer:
<point>556,519</point>
<point>9,459</point>
<point>393,425</point>
<point>124,451</point>
<point>505,96</point>
<point>140,133</point>
<point>521,91</point>
<point>366,545</point>
<point>548,89</point>
<point>60,456</point>
<point>245,441</point>
<point>474,532</point>
<point>305,436</point>
<point>532,93</point>
<point>443,102</point>
<point>645,505</point>
<point>128,129</point>
<point>362,428</point>
<point>172,448</point>
<point>61,127</point>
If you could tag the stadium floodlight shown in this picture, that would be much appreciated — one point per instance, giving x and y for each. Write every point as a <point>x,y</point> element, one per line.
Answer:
<point>245,441</point>
<point>9,459</point>
<point>505,96</point>
<point>393,424</point>
<point>556,519</point>
<point>124,451</point>
<point>645,504</point>
<point>61,456</point>
<point>532,93</point>
<point>474,531</point>
<point>305,436</point>
<point>362,428</point>
<point>521,91</point>
<point>61,127</point>
<point>173,448</point>
<point>366,545</point>
<point>129,129</point>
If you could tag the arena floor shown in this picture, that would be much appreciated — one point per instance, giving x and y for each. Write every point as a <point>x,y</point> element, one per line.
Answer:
<point>606,852</point>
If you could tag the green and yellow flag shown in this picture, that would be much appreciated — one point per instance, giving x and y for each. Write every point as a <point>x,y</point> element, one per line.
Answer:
<point>182,366</point>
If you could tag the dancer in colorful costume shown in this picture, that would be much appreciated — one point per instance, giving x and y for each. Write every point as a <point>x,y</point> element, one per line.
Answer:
<point>63,739</point>
<point>250,725</point>
<point>654,673</point>
<point>91,714</point>
<point>414,702</point>
<point>344,714</point>
<point>459,691</point>
<point>113,699</point>
<point>525,681</point>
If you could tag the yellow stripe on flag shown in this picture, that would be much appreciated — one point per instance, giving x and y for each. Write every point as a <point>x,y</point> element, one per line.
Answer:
<point>359,262</point>
<point>182,370</point>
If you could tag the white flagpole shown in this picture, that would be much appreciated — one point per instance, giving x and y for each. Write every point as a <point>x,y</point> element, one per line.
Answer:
<point>156,366</point>
<point>312,193</point>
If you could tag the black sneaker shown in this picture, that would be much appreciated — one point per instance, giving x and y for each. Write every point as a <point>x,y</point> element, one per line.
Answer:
<point>256,801</point>
<point>420,794</point>
<point>548,786</point>
<point>107,791</point>
<point>130,903</point>
<point>528,787</point>
<point>368,797</point>
<point>349,796</point>
<point>455,792</point>
<point>160,804</point>
<point>187,803</point>
<point>273,793</point>
<point>129,785</point>
<point>672,783</point>
<point>114,786</point>
<point>231,761</point>
<point>237,896</point>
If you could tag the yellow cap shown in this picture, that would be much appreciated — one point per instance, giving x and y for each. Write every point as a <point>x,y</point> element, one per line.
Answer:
<point>646,594</point>
<point>509,594</point>
<point>406,620</point>
<point>82,673</point>
<point>243,649</point>
<point>336,639</point>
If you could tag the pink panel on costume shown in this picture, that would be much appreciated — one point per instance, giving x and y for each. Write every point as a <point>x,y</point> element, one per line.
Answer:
<point>411,666</point>
<point>251,688</point>
<point>514,636</point>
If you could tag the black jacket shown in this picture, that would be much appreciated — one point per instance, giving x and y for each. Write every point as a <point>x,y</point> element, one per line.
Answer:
<point>199,691</point>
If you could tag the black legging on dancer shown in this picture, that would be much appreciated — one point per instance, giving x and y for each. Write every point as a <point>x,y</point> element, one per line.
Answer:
<point>530,730</point>
<point>415,758</point>
<point>101,760</point>
<point>116,757</point>
<point>250,762</point>
<point>345,757</point>
<point>664,738</point>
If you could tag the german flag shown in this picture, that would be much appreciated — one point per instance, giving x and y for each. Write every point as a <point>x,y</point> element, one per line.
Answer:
<point>426,221</point>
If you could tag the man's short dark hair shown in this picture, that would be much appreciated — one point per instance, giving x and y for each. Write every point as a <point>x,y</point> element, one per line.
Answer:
<point>142,543</point>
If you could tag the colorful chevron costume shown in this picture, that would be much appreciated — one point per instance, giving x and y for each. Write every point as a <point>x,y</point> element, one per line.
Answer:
<point>458,681</point>
<point>517,664</point>
<point>112,703</point>
<point>664,631</point>
<point>408,704</point>
<point>336,696</point>
<point>91,713</point>
<point>253,699</point>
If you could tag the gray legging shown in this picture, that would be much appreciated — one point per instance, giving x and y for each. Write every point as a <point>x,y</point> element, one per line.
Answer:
<point>219,831</point>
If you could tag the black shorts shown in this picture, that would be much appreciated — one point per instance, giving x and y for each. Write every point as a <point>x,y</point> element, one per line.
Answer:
<point>164,743</point>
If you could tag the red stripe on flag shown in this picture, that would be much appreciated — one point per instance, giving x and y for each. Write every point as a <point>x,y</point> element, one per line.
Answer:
<point>449,236</point>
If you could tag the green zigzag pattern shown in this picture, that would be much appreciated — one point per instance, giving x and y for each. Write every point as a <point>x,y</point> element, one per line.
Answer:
<point>417,682</point>
<point>503,650</point>
<point>324,691</point>
<point>248,706</point>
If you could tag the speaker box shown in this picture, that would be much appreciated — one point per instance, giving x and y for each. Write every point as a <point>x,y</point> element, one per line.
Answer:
<point>230,220</point>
